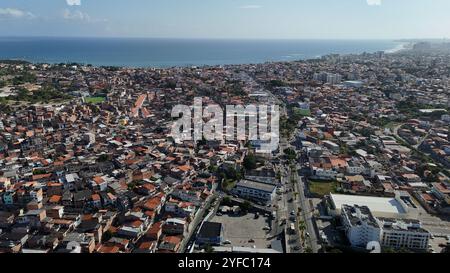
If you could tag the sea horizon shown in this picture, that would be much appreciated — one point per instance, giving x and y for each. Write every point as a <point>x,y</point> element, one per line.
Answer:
<point>141,52</point>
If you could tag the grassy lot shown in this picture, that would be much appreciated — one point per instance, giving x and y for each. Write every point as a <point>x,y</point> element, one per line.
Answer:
<point>322,187</point>
<point>94,100</point>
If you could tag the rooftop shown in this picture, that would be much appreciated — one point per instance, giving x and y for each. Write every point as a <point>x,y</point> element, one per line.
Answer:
<point>378,205</point>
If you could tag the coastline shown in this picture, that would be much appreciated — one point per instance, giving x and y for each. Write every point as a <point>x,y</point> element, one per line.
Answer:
<point>399,48</point>
<point>167,53</point>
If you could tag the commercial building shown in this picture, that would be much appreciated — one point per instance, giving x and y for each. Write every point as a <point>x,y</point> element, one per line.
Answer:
<point>361,228</point>
<point>404,234</point>
<point>255,190</point>
<point>210,234</point>
<point>379,206</point>
<point>360,225</point>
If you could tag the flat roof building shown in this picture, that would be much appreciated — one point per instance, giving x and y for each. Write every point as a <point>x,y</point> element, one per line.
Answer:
<point>379,206</point>
<point>255,190</point>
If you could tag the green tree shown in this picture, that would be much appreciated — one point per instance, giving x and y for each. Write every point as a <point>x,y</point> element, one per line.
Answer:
<point>245,207</point>
<point>208,249</point>
<point>226,201</point>
<point>250,162</point>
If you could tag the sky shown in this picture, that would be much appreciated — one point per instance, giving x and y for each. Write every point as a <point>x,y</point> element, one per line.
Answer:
<point>254,19</point>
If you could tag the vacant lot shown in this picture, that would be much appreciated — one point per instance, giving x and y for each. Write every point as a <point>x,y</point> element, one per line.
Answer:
<point>240,229</point>
<point>322,188</point>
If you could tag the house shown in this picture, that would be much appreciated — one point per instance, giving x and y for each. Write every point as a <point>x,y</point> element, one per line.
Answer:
<point>85,242</point>
<point>146,189</point>
<point>170,244</point>
<point>71,181</point>
<point>35,217</point>
<point>37,242</point>
<point>147,247</point>
<point>81,198</point>
<point>91,226</point>
<point>107,249</point>
<point>179,209</point>
<point>155,231</point>
<point>153,204</point>
<point>55,189</point>
<point>99,183</point>
<point>96,201</point>
<point>108,199</point>
<point>12,242</point>
<point>174,226</point>
<point>55,212</point>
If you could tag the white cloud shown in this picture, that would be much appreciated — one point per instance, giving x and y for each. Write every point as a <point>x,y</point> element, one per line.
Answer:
<point>76,15</point>
<point>73,2</point>
<point>250,7</point>
<point>374,2</point>
<point>12,13</point>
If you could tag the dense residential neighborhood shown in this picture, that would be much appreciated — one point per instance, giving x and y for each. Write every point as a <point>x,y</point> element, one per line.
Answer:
<point>88,163</point>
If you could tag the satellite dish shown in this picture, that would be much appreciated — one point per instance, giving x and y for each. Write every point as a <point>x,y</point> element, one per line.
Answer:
<point>374,247</point>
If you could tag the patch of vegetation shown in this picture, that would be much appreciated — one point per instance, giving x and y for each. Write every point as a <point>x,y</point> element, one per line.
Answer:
<point>25,77</point>
<point>95,100</point>
<point>250,162</point>
<point>277,83</point>
<point>322,188</point>
<point>43,95</point>
<point>300,113</point>
<point>410,108</point>
<point>246,206</point>
<point>290,154</point>
<point>226,201</point>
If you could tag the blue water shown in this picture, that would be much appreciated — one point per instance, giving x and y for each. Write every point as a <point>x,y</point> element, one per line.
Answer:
<point>177,52</point>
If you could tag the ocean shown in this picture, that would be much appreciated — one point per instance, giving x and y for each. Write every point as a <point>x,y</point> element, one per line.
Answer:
<point>161,53</point>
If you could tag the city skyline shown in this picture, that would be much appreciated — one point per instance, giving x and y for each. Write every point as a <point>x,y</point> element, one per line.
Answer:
<point>236,19</point>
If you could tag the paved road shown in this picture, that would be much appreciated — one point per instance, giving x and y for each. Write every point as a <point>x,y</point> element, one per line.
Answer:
<point>397,128</point>
<point>307,212</point>
<point>288,205</point>
<point>198,219</point>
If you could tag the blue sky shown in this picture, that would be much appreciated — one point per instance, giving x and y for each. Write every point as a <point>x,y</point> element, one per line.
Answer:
<point>267,19</point>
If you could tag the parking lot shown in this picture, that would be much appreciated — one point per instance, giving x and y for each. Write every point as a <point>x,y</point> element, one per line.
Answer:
<point>438,244</point>
<point>240,230</point>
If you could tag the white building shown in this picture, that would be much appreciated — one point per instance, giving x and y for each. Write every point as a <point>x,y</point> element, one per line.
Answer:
<point>255,190</point>
<point>323,174</point>
<point>379,206</point>
<point>362,227</point>
<point>404,234</point>
<point>355,167</point>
